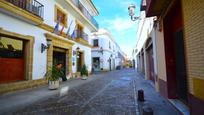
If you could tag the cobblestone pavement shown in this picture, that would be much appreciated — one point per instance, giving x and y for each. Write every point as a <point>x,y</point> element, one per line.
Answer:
<point>110,94</point>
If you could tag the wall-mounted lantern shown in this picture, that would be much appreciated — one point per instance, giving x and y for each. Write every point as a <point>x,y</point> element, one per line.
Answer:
<point>77,49</point>
<point>44,47</point>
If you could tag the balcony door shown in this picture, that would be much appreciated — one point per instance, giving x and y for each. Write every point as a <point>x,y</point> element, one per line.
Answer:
<point>80,60</point>
<point>59,57</point>
<point>79,31</point>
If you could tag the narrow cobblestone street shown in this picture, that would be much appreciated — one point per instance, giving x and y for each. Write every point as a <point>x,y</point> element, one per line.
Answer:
<point>111,93</point>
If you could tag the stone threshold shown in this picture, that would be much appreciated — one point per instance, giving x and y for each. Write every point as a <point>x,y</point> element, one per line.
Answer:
<point>181,107</point>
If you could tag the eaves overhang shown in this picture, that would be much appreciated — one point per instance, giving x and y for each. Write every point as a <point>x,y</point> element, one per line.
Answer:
<point>156,7</point>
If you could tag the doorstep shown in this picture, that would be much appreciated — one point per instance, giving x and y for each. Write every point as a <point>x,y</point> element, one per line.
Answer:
<point>181,107</point>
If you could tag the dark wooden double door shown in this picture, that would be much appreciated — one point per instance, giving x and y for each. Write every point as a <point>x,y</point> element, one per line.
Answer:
<point>59,57</point>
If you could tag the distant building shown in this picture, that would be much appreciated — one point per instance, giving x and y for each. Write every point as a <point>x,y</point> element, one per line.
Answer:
<point>27,27</point>
<point>106,53</point>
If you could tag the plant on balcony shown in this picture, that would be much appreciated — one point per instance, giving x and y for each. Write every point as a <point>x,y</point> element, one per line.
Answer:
<point>84,72</point>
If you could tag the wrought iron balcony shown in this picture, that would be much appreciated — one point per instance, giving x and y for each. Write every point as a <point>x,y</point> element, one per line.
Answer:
<point>78,4</point>
<point>32,6</point>
<point>79,34</point>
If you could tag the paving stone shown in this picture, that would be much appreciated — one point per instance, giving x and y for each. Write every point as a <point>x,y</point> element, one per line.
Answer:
<point>111,93</point>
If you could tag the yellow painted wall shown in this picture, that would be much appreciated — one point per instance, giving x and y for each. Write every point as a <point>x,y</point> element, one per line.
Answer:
<point>193,16</point>
<point>198,85</point>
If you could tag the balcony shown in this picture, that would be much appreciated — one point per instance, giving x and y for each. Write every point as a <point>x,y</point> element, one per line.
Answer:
<point>80,34</point>
<point>78,4</point>
<point>32,6</point>
<point>81,37</point>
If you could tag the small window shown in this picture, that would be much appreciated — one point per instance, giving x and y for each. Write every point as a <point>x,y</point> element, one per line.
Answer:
<point>61,16</point>
<point>80,30</point>
<point>95,43</point>
<point>109,45</point>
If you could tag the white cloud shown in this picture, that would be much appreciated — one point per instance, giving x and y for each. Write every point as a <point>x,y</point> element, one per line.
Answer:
<point>120,24</point>
<point>128,50</point>
<point>123,30</point>
<point>124,3</point>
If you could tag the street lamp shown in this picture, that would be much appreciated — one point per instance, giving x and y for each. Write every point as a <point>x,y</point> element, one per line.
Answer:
<point>110,58</point>
<point>131,11</point>
<point>101,50</point>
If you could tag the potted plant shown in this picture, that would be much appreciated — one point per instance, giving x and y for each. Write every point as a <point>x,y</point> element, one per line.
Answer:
<point>54,76</point>
<point>84,72</point>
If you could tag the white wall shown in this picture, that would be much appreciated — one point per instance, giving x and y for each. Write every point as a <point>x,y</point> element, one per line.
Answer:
<point>104,38</point>
<point>144,32</point>
<point>49,19</point>
<point>39,59</point>
<point>49,7</point>
<point>105,56</point>
<point>87,56</point>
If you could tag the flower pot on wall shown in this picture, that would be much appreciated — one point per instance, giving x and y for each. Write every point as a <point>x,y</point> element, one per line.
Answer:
<point>84,72</point>
<point>53,84</point>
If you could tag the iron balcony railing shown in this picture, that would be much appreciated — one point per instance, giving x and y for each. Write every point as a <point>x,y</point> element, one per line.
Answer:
<point>32,6</point>
<point>79,34</point>
<point>78,4</point>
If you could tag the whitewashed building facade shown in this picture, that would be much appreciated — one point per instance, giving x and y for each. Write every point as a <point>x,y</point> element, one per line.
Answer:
<point>106,53</point>
<point>149,51</point>
<point>144,53</point>
<point>27,27</point>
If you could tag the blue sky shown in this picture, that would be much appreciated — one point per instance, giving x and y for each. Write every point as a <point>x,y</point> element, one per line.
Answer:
<point>113,15</point>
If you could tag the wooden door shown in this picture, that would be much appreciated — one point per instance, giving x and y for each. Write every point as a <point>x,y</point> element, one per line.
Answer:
<point>11,60</point>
